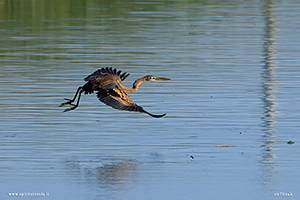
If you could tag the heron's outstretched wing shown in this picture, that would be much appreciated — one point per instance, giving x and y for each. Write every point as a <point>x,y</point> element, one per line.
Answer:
<point>104,71</point>
<point>118,99</point>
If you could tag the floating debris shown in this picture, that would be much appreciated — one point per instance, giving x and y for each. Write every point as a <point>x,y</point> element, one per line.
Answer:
<point>224,146</point>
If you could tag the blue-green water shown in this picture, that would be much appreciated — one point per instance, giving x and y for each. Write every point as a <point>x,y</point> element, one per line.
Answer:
<point>235,81</point>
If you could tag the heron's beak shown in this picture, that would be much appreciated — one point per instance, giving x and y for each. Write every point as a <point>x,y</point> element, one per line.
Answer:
<point>161,79</point>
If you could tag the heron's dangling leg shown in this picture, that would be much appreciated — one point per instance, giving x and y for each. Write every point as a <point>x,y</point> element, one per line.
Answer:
<point>70,101</point>
<point>77,104</point>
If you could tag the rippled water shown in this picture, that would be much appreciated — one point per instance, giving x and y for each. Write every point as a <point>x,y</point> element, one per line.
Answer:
<point>235,82</point>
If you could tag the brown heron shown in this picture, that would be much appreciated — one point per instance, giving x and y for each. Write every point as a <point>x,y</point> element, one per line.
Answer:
<point>111,91</point>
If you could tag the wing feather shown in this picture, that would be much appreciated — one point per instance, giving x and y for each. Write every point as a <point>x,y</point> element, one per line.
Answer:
<point>118,99</point>
<point>104,71</point>
<point>124,76</point>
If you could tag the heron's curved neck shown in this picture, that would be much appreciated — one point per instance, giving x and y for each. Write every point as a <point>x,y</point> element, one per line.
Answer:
<point>135,86</point>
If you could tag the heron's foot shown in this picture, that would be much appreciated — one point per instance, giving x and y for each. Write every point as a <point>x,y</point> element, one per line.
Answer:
<point>65,104</point>
<point>68,102</point>
<point>69,109</point>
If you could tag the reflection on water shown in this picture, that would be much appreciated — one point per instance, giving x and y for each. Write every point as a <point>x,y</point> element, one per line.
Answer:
<point>104,172</point>
<point>269,86</point>
<point>115,172</point>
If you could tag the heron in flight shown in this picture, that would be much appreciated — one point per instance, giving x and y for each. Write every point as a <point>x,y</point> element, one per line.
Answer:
<point>110,90</point>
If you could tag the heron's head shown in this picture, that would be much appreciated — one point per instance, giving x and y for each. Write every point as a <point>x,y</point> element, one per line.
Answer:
<point>153,78</point>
